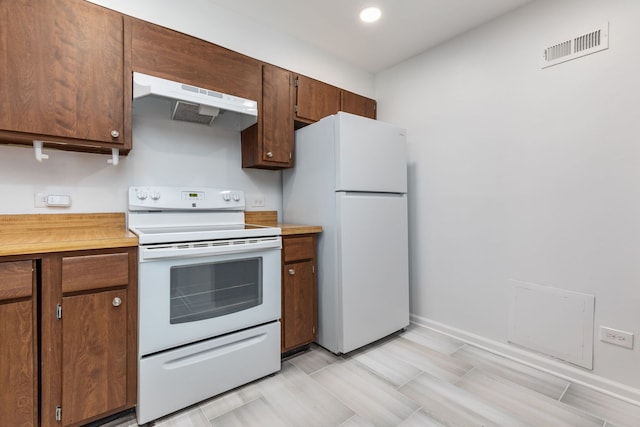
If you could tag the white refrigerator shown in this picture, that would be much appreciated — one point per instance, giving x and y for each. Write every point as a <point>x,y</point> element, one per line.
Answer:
<point>350,177</point>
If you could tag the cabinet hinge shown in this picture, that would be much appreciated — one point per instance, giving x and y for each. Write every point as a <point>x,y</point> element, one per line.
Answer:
<point>313,269</point>
<point>295,108</point>
<point>290,155</point>
<point>295,83</point>
<point>58,413</point>
<point>59,311</point>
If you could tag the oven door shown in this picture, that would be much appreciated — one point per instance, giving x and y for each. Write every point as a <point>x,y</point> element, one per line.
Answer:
<point>192,292</point>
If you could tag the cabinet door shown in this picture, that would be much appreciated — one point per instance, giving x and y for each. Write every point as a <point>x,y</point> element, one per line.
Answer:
<point>94,355</point>
<point>62,69</point>
<point>298,304</point>
<point>165,53</point>
<point>18,391</point>
<point>357,104</point>
<point>277,115</point>
<point>315,99</point>
<point>269,143</point>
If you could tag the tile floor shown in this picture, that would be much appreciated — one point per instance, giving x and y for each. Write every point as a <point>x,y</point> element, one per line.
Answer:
<point>416,378</point>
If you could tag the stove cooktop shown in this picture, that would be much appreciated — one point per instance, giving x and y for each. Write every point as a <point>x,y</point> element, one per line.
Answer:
<point>189,214</point>
<point>171,234</point>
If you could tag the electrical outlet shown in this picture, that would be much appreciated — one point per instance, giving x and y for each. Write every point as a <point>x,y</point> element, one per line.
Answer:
<point>614,336</point>
<point>44,200</point>
<point>257,201</point>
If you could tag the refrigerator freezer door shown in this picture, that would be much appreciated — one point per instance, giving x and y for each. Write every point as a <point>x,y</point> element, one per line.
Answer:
<point>370,155</point>
<point>373,270</point>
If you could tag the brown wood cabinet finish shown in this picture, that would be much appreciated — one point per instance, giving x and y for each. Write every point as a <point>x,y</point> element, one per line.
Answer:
<point>315,99</point>
<point>269,143</point>
<point>94,355</point>
<point>357,104</point>
<point>82,273</point>
<point>165,53</point>
<point>89,365</point>
<point>18,365</point>
<point>63,69</point>
<point>16,279</point>
<point>299,291</point>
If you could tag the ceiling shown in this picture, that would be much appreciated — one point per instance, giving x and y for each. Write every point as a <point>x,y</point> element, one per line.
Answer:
<point>407,27</point>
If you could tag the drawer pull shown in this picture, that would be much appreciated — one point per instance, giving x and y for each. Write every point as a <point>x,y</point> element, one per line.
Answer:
<point>291,272</point>
<point>116,302</point>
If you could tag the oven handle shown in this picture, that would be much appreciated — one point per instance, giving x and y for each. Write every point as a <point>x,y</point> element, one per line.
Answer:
<point>201,249</point>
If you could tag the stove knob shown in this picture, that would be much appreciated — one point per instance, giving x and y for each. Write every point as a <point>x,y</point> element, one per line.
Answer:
<point>155,195</point>
<point>236,197</point>
<point>226,197</point>
<point>142,195</point>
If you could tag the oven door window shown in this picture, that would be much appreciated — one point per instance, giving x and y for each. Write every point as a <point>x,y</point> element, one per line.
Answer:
<point>205,291</point>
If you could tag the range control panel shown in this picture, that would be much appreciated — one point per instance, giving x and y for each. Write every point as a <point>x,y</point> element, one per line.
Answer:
<point>184,198</point>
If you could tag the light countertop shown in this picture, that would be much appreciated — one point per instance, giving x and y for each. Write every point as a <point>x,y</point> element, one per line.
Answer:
<point>45,233</point>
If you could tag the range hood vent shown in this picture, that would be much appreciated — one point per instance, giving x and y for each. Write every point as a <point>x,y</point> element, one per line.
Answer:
<point>198,105</point>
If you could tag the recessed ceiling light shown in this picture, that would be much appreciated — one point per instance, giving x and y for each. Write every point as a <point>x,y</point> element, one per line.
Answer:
<point>370,14</point>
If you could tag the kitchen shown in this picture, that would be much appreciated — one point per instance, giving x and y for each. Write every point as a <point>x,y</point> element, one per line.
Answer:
<point>502,189</point>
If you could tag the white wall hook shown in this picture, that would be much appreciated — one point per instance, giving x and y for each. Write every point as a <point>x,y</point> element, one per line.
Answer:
<point>37,148</point>
<point>115,157</point>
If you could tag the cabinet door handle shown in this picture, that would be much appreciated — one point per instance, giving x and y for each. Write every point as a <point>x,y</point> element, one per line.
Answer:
<point>116,302</point>
<point>269,154</point>
<point>291,272</point>
<point>115,133</point>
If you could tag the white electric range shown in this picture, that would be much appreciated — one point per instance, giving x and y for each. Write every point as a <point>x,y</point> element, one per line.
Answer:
<point>209,296</point>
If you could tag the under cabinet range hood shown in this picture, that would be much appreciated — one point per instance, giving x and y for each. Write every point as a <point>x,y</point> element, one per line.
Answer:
<point>194,104</point>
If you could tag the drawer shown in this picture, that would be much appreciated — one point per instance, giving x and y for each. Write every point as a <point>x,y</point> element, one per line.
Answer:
<point>298,248</point>
<point>89,272</point>
<point>16,279</point>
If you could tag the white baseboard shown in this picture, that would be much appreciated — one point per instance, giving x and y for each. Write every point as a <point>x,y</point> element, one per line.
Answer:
<point>563,370</point>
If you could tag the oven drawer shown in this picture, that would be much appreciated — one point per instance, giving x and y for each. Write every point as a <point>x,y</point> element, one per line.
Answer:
<point>178,378</point>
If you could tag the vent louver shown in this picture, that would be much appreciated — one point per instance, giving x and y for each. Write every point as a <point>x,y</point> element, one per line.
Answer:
<point>576,47</point>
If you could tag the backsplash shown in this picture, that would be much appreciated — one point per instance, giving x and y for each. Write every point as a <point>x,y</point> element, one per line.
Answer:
<point>164,152</point>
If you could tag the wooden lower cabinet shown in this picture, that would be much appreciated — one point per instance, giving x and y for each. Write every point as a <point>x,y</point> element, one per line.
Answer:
<point>299,291</point>
<point>82,307</point>
<point>89,335</point>
<point>94,355</point>
<point>18,348</point>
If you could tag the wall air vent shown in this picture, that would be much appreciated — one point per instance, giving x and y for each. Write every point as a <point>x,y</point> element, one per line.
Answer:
<point>584,44</point>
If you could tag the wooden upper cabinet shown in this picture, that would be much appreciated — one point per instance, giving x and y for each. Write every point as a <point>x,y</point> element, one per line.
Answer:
<point>165,53</point>
<point>63,77</point>
<point>315,99</point>
<point>269,143</point>
<point>357,104</point>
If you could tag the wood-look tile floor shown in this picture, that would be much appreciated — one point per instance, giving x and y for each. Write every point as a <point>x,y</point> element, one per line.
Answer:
<point>415,378</point>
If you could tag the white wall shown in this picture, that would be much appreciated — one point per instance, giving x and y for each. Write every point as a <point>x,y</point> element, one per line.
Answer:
<point>518,173</point>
